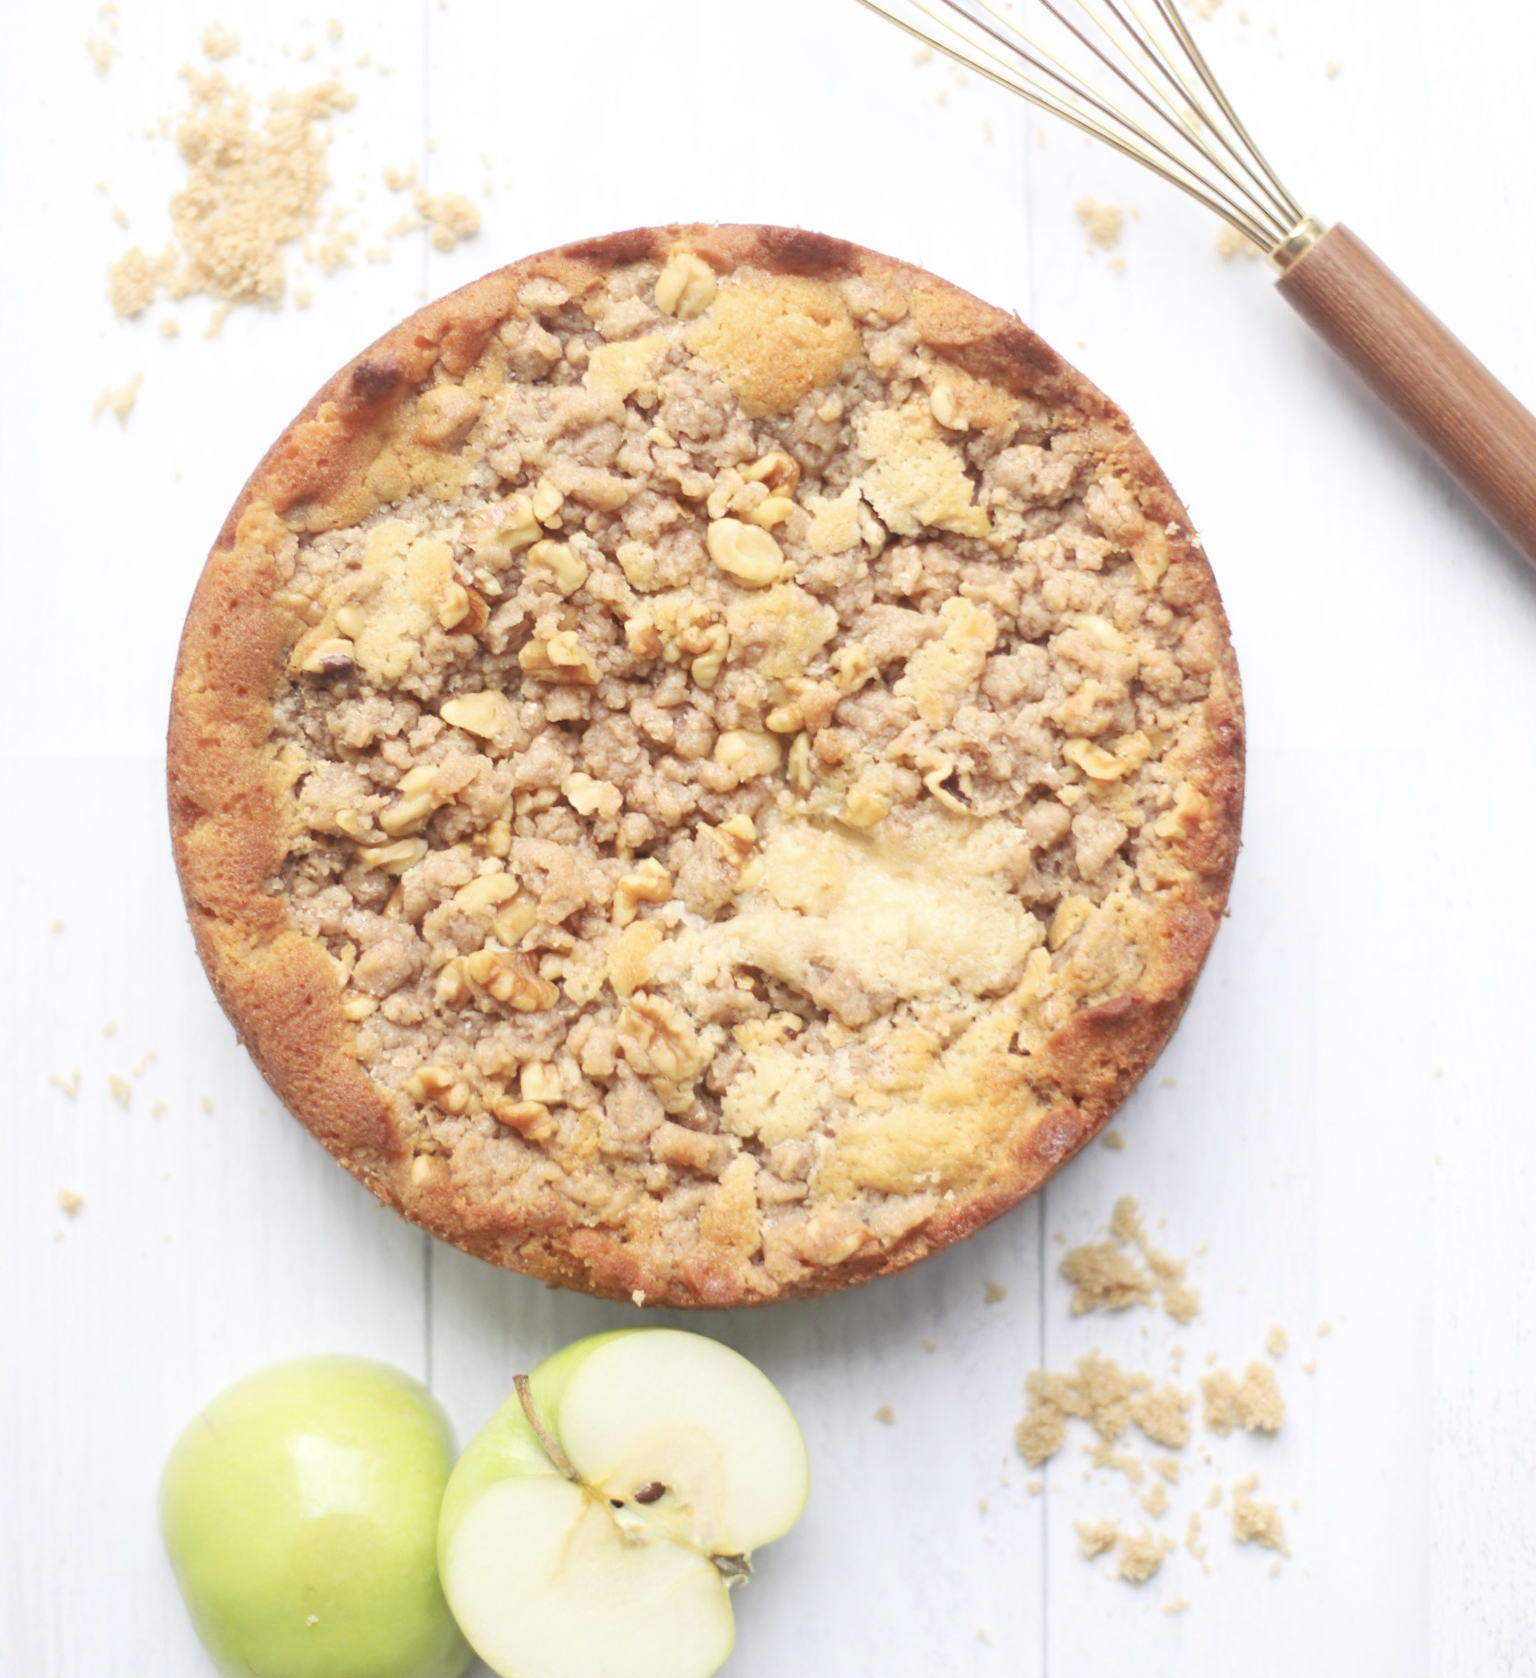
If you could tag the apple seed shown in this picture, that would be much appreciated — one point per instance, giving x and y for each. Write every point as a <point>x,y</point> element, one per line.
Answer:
<point>649,1493</point>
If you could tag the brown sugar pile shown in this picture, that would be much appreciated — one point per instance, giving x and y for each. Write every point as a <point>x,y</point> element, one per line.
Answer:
<point>1112,1274</point>
<point>1126,1270</point>
<point>254,186</point>
<point>251,190</point>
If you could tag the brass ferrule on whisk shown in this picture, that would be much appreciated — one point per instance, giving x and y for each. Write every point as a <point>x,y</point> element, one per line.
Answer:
<point>1295,245</point>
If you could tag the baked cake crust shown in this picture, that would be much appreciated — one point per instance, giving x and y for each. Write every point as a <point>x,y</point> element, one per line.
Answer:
<point>919,750</point>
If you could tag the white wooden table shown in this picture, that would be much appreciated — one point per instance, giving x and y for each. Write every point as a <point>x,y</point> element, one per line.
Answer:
<point>1344,1119</point>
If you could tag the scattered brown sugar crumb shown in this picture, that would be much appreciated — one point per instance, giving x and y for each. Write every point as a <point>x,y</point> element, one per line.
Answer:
<point>250,191</point>
<point>1331,69</point>
<point>1205,8</point>
<point>1125,1222</point>
<point>1105,1278</point>
<point>56,925</point>
<point>1213,1497</point>
<point>333,29</point>
<point>170,327</point>
<point>1254,1403</point>
<point>1192,1539</point>
<point>885,1414</point>
<point>1231,243</point>
<point>71,1200</point>
<point>101,49</point>
<point>206,1104</point>
<point>118,400</point>
<point>1309,1365</point>
<point>1276,1341</point>
<point>1101,1456</point>
<point>449,215</point>
<point>122,1090</point>
<point>1098,1391</point>
<point>109,1029</point>
<point>158,1110</point>
<point>135,278</point>
<point>219,42</point>
<point>1324,1328</point>
<point>1108,1275</point>
<point>1155,1499</point>
<point>1255,1521</point>
<point>1112,1139</point>
<point>1034,1485</point>
<point>1095,1537</point>
<point>397,180</point>
<point>69,1085</point>
<point>1176,1605</point>
<point>930,1346</point>
<point>1141,1557</point>
<point>1164,1417</point>
<point>1168,1467</point>
<point>996,1293</point>
<point>1103,223</point>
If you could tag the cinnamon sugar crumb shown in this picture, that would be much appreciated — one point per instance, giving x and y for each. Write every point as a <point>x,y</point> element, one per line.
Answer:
<point>1096,1537</point>
<point>1155,1498</point>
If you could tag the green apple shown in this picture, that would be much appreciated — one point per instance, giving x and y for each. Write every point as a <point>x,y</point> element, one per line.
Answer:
<point>299,1512</point>
<point>596,1523</point>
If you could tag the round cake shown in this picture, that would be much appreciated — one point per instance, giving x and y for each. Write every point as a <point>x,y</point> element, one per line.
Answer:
<point>706,764</point>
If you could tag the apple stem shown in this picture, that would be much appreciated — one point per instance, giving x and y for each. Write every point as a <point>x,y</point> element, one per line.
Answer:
<point>541,1433</point>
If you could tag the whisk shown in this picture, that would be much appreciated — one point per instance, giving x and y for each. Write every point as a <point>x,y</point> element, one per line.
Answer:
<point>1129,73</point>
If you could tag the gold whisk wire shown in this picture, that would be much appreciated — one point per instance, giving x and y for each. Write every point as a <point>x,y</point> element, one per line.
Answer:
<point>1128,72</point>
<point>1130,75</point>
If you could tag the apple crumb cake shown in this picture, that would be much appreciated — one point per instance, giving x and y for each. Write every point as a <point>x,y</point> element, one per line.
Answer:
<point>706,764</point>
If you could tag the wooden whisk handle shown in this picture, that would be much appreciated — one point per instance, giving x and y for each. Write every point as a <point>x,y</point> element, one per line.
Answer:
<point>1424,374</point>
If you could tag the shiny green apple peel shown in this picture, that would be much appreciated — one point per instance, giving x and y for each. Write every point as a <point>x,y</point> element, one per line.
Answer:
<point>299,1512</point>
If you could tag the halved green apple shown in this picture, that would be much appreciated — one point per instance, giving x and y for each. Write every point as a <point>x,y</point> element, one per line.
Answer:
<point>597,1522</point>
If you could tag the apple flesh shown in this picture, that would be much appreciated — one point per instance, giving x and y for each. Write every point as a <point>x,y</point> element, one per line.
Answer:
<point>299,1512</point>
<point>595,1524</point>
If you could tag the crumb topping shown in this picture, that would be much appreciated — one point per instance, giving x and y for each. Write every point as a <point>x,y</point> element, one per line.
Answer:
<point>736,742</point>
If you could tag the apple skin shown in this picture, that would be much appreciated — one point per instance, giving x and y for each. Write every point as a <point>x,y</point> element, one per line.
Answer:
<point>299,1512</point>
